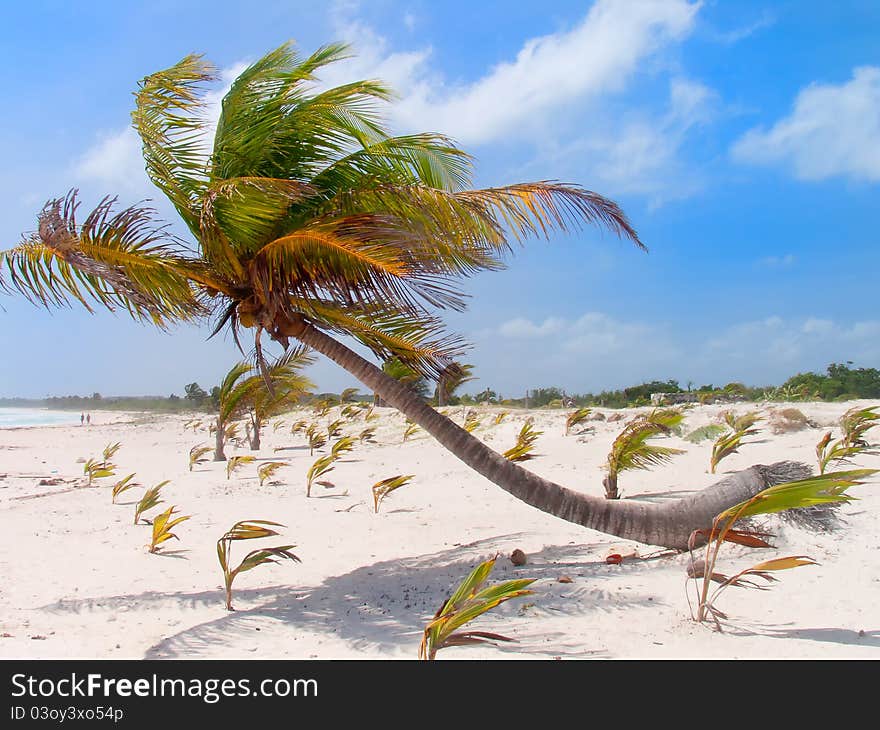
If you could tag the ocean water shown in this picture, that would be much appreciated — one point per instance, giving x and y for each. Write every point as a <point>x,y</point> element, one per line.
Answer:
<point>10,417</point>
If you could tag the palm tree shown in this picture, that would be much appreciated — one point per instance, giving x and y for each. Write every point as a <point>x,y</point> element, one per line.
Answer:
<point>403,373</point>
<point>309,220</point>
<point>451,379</point>
<point>232,398</point>
<point>274,392</point>
<point>631,449</point>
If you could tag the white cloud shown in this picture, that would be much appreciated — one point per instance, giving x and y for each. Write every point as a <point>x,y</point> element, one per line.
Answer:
<point>597,351</point>
<point>548,74</point>
<point>737,34</point>
<point>551,72</point>
<point>833,130</point>
<point>643,155</point>
<point>524,328</point>
<point>115,160</point>
<point>772,349</point>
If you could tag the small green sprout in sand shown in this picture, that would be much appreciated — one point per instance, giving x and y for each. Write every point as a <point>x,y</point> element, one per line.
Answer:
<point>149,500</point>
<point>236,461</point>
<point>249,530</point>
<point>470,600</point>
<point>267,470</point>
<point>162,525</point>
<point>383,488</point>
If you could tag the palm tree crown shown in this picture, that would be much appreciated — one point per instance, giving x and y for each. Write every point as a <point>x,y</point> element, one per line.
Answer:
<point>305,210</point>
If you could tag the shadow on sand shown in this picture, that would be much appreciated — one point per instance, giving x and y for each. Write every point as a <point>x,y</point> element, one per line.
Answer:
<point>383,607</point>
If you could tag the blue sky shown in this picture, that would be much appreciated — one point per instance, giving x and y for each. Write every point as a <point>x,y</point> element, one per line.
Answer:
<point>741,138</point>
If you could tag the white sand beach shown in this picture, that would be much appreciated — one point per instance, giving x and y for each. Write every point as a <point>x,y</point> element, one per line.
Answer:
<point>79,581</point>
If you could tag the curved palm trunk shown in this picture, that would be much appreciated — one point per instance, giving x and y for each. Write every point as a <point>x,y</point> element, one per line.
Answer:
<point>669,524</point>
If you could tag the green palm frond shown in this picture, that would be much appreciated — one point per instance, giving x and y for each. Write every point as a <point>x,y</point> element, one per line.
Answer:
<point>118,260</point>
<point>169,117</point>
<point>271,125</point>
<point>730,442</point>
<point>267,470</point>
<point>249,530</point>
<point>237,461</point>
<point>342,446</point>
<point>576,417</point>
<point>523,449</point>
<point>322,466</point>
<point>348,394</point>
<point>123,485</point>
<point>162,526</point>
<point>411,429</point>
<point>470,600</point>
<point>430,159</point>
<point>197,455</point>
<point>149,500</point>
<point>856,422</point>
<point>631,449</point>
<point>384,487</point>
<point>317,438</point>
<point>471,421</point>
<point>334,428</point>
<point>742,422</point>
<point>800,494</point>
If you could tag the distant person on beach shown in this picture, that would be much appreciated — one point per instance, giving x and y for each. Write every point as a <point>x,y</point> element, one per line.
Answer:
<point>82,417</point>
<point>89,419</point>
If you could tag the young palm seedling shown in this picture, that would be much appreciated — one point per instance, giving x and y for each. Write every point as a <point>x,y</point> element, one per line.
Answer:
<point>523,449</point>
<point>342,446</point>
<point>267,471</point>
<point>123,485</point>
<point>323,465</point>
<point>854,423</point>
<point>631,449</point>
<point>197,455</point>
<point>235,462</point>
<point>822,489</point>
<point>322,407</point>
<point>350,412</point>
<point>108,453</point>
<point>300,425</point>
<point>368,434</point>
<point>149,500</point>
<point>347,395</point>
<point>334,428</point>
<point>370,415</point>
<point>162,525</point>
<point>383,488</point>
<point>410,429</point>
<point>280,423</point>
<point>500,417</point>
<point>578,416</point>
<point>249,530</point>
<point>95,469</point>
<point>471,421</point>
<point>471,599</point>
<point>316,438</point>
<point>728,443</point>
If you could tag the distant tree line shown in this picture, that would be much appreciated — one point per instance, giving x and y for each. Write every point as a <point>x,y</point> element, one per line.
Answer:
<point>839,382</point>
